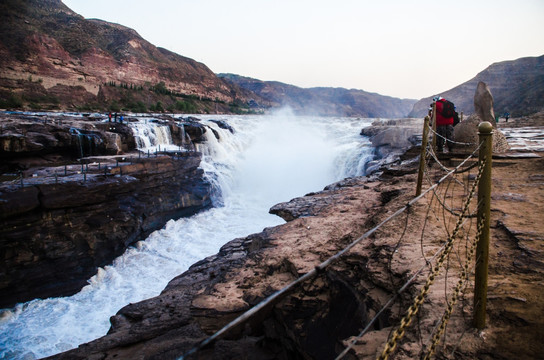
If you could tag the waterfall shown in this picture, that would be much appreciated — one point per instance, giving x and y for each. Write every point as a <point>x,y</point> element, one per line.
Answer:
<point>151,136</point>
<point>268,159</point>
<point>86,141</point>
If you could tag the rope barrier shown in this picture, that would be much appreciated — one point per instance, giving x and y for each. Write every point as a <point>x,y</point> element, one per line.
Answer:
<point>464,276</point>
<point>451,141</point>
<point>278,295</point>
<point>414,308</point>
<point>457,171</point>
<point>450,210</point>
<point>390,302</point>
<point>443,167</point>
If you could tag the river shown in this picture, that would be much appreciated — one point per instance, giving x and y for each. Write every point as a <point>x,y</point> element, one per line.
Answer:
<point>267,160</point>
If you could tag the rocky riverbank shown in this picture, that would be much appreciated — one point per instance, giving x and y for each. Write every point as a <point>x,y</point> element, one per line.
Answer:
<point>75,194</point>
<point>317,319</point>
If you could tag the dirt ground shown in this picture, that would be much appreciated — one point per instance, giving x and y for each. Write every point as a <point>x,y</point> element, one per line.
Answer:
<point>515,305</point>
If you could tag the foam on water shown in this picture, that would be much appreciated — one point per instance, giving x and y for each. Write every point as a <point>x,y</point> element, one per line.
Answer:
<point>269,159</point>
<point>150,135</point>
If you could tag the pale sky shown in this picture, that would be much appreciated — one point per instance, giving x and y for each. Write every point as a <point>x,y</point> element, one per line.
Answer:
<point>400,48</point>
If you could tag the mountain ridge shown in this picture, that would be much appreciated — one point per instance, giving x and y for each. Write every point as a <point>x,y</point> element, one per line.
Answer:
<point>517,87</point>
<point>52,58</point>
<point>326,101</point>
<point>47,43</point>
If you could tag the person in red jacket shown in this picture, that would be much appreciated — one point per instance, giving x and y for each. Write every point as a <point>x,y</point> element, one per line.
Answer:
<point>444,125</point>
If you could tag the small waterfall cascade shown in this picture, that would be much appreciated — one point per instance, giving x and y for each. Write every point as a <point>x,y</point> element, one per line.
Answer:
<point>266,160</point>
<point>87,141</point>
<point>150,135</point>
<point>184,136</point>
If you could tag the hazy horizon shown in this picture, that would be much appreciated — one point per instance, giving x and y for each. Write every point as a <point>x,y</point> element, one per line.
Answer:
<point>394,48</point>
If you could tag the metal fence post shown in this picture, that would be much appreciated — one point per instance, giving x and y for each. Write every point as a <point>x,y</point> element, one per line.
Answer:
<point>433,124</point>
<point>422,155</point>
<point>485,132</point>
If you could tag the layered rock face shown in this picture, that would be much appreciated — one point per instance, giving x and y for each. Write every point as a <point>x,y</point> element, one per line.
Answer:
<point>51,57</point>
<point>54,236</point>
<point>61,222</point>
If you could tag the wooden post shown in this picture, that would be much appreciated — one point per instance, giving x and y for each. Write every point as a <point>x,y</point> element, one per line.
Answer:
<point>422,155</point>
<point>434,126</point>
<point>485,132</point>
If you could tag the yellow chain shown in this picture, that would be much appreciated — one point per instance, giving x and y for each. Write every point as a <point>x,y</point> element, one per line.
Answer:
<point>451,303</point>
<point>407,319</point>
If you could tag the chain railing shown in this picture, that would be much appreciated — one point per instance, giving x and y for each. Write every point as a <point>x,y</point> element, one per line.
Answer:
<point>441,256</point>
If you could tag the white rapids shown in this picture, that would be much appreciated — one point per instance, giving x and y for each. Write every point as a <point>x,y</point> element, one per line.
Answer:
<point>268,159</point>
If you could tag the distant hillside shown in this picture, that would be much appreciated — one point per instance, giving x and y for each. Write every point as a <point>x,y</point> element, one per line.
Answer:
<point>51,57</point>
<point>517,87</point>
<point>324,101</point>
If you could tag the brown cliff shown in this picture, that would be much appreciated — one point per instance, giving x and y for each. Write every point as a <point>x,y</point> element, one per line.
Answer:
<point>68,207</point>
<point>51,57</point>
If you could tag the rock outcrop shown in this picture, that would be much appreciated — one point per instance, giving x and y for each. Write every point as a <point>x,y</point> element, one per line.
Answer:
<point>54,235</point>
<point>73,197</point>
<point>391,139</point>
<point>466,131</point>
<point>483,104</point>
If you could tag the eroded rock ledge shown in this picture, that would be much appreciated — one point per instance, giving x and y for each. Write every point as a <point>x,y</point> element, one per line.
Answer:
<point>55,235</point>
<point>314,321</point>
<point>85,197</point>
<point>217,289</point>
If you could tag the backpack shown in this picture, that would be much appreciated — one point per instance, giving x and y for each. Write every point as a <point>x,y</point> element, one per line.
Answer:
<point>448,109</point>
<point>455,118</point>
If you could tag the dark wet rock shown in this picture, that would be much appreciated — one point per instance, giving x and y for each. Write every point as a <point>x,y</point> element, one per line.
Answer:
<point>194,130</point>
<point>55,234</point>
<point>223,125</point>
<point>25,140</point>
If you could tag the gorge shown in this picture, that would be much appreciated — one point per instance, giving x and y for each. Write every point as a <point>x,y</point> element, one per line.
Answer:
<point>259,162</point>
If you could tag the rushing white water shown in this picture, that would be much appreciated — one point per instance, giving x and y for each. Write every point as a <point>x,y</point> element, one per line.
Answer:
<point>150,135</point>
<point>269,159</point>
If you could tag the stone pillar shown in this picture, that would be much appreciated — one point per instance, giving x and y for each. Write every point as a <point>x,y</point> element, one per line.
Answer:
<point>483,104</point>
